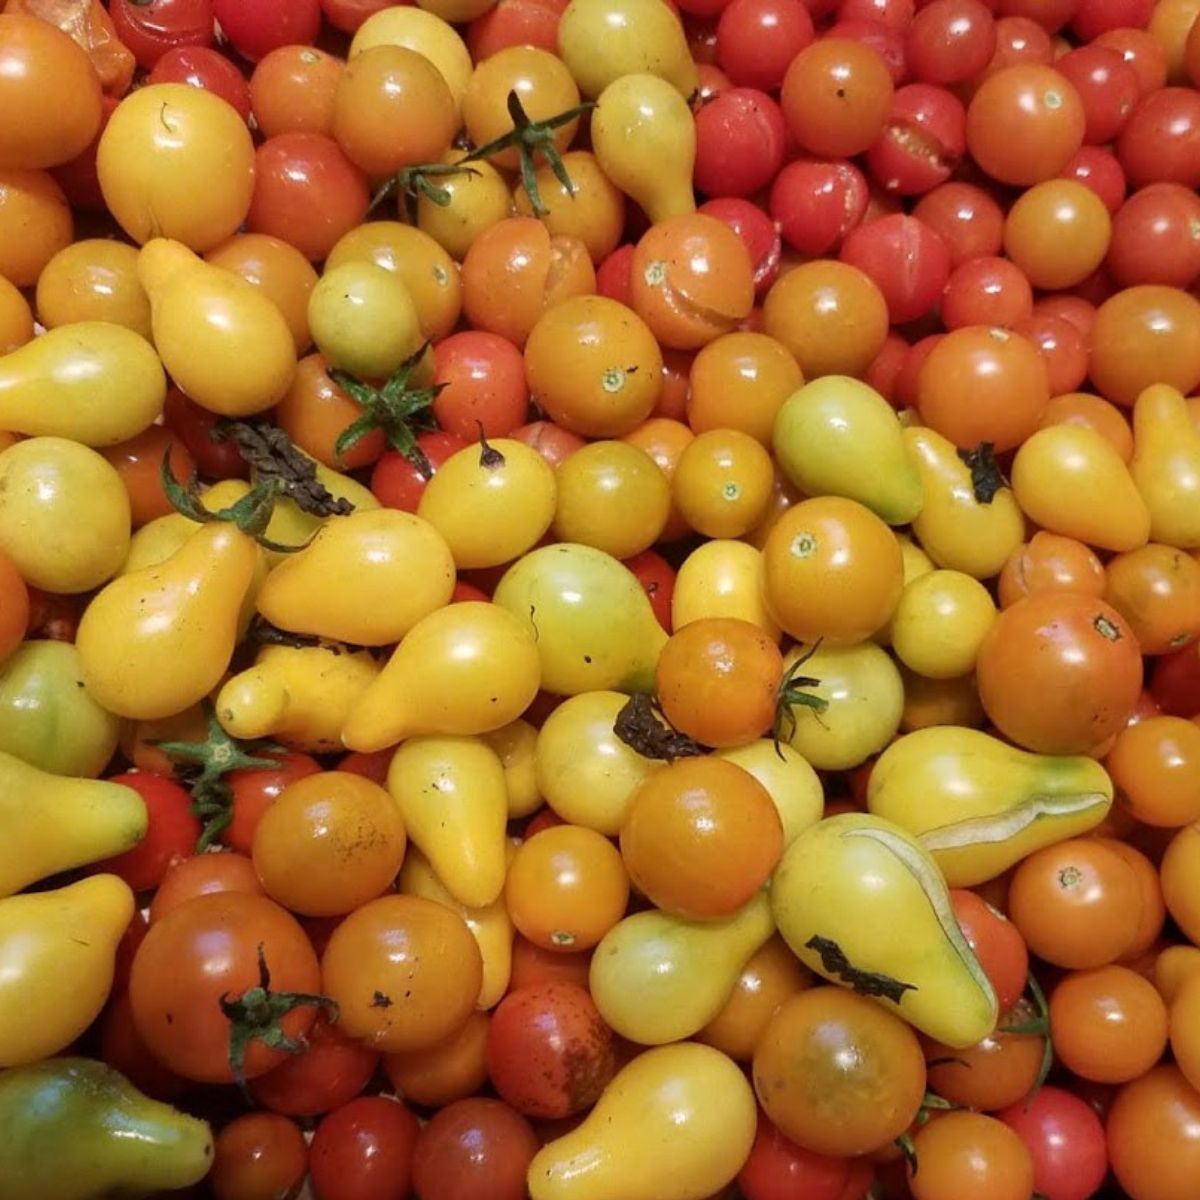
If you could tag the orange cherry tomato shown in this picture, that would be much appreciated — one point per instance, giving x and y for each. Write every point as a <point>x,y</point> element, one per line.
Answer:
<point>446,1071</point>
<point>723,482</point>
<point>1082,408</point>
<point>994,1073</point>
<point>35,222</point>
<point>1049,562</point>
<point>315,412</point>
<point>593,212</point>
<point>188,878</point>
<point>969,1154</point>
<point>665,440</point>
<point>139,463</point>
<point>292,91</point>
<point>14,606</point>
<point>1155,765</point>
<point>1157,590</point>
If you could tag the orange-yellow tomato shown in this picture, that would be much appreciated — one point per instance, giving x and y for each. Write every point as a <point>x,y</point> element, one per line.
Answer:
<point>35,224</point>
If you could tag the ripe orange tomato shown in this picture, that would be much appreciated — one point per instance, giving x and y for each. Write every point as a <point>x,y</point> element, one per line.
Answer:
<point>1049,562</point>
<point>35,224</point>
<point>1155,766</point>
<point>723,482</point>
<point>968,1154</point>
<point>1156,589</point>
<point>292,90</point>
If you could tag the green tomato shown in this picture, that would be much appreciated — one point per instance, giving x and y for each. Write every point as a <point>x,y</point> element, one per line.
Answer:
<point>363,319</point>
<point>48,718</point>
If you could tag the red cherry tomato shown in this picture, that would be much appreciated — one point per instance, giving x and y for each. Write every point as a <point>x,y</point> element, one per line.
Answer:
<point>1099,170</point>
<point>1063,348</point>
<point>923,140</point>
<point>997,944</point>
<point>364,1151</point>
<point>759,236</point>
<point>256,27</point>
<point>986,291</point>
<point>255,789</point>
<point>657,576</point>
<point>515,23</point>
<point>171,834</point>
<point>887,365</point>
<point>1156,237</point>
<point>1094,17</point>
<point>908,262</point>
<point>740,141</point>
<point>1161,140</point>
<point>613,275</point>
<point>152,27</point>
<point>816,204</point>
<point>1108,87</point>
<point>348,15</point>
<point>896,14</point>
<point>201,67</point>
<point>398,482</point>
<point>482,377</point>
<point>1019,40</point>
<point>1065,1139</point>
<point>195,426</point>
<point>778,1169</point>
<point>968,219</point>
<point>476,1149</point>
<point>757,40</point>
<point>950,41</point>
<point>886,40</point>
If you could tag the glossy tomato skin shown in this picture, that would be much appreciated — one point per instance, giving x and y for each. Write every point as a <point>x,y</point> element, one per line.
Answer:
<point>255,789</point>
<point>740,142</point>
<point>968,219</point>
<point>761,239</point>
<point>997,944</point>
<point>1108,87</point>
<point>817,203</point>
<point>1153,238</point>
<point>398,482</point>
<point>1161,140</point>
<point>171,834</point>
<point>950,41</point>
<point>907,261</point>
<point>483,380</point>
<point>923,140</point>
<point>657,578</point>
<point>757,40</point>
<point>258,1154</point>
<point>151,29</point>
<point>549,1053</point>
<point>195,426</point>
<point>201,874</point>
<point>256,27</point>
<point>476,1149</point>
<point>778,1169</point>
<point>364,1150</point>
<point>204,68</point>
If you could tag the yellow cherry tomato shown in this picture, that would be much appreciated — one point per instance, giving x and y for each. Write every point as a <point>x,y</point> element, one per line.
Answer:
<point>490,503</point>
<point>64,515</point>
<point>611,495</point>
<point>791,783</point>
<point>722,578</point>
<point>723,483</point>
<point>176,162</point>
<point>939,623</point>
<point>592,210</point>
<point>93,280</point>
<point>16,319</point>
<point>516,744</point>
<point>476,199</point>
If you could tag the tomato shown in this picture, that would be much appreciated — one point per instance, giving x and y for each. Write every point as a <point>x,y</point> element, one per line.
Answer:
<point>968,219</point>
<point>816,204</point>
<point>1076,904</point>
<point>16,319</point>
<point>14,606</point>
<point>1065,1139</point>
<point>1107,86</point>
<point>1057,233</point>
<point>950,41</point>
<point>38,60</point>
<point>365,1150</point>
<point>1099,170</point>
<point>209,950</point>
<point>740,139</point>
<point>1063,349</point>
<point>198,875</point>
<point>152,27</point>
<point>1153,1134</point>
<point>1160,141</point>
<point>258,1156</point>
<point>758,39</point>
<point>121,1047</point>
<point>476,1149</point>
<point>257,28</point>
<point>139,463</point>
<point>657,577</point>
<point>778,1169</point>
<point>292,91</point>
<point>924,139</point>
<point>194,426</point>
<point>36,225</point>
<point>171,835</point>
<point>201,67</point>
<point>1060,645</point>
<point>986,291</point>
<point>836,96</point>
<point>307,192</point>
<point>404,971</point>
<point>452,1069</point>
<point>515,23</point>
<point>997,944</point>
<point>1153,238</point>
<point>701,837</point>
<point>906,260</point>
<point>968,1154</point>
<point>837,1073</point>
<point>398,482</point>
<point>255,789</point>
<point>1050,562</point>
<point>349,15</point>
<point>549,1053</point>
<point>1108,1025</point>
<point>1156,766</point>
<point>1001,1069</point>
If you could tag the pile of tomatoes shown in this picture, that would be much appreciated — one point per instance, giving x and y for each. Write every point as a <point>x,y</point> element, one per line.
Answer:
<point>636,564</point>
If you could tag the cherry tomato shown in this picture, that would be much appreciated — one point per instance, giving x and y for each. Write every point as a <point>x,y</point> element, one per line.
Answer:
<point>1107,86</point>
<point>195,426</point>
<point>1153,1134</point>
<point>1155,238</point>
<point>152,27</point>
<point>986,291</point>
<point>256,27</point>
<point>204,68</point>
<point>477,1149</point>
<point>740,138</point>
<point>999,1070</point>
<point>292,90</point>
<point>923,141</point>
<point>968,219</point>
<point>1098,169</point>
<point>997,944</point>
<point>483,381</point>
<point>906,260</point>
<point>657,577</point>
<point>200,874</point>
<point>365,1150</point>
<point>1065,1139</point>
<point>950,41</point>
<point>1161,140</point>
<point>758,39</point>
<point>1156,765</point>
<point>171,834</point>
<point>139,463</point>
<point>816,204</point>
<point>1050,562</point>
<point>778,1169</point>
<point>255,789</point>
<point>452,1069</point>
<point>969,1154</point>
<point>258,1156</point>
<point>515,23</point>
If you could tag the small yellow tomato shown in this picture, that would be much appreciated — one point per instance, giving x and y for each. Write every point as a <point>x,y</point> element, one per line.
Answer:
<point>592,210</point>
<point>516,746</point>
<point>476,199</point>
<point>722,578</point>
<point>939,623</point>
<point>93,280</point>
<point>791,783</point>
<point>611,495</point>
<point>723,483</point>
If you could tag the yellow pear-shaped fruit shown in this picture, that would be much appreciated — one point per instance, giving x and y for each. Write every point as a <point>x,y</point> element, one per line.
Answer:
<point>451,794</point>
<point>91,381</point>
<point>465,669</point>
<point>297,695</point>
<point>658,978</point>
<point>677,1123</point>
<point>837,436</point>
<point>1166,465</point>
<point>490,926</point>
<point>602,40</point>
<point>644,138</point>
<point>56,964</point>
<point>979,805</point>
<point>861,902</point>
<point>722,578</point>
<point>222,341</point>
<point>156,640</point>
<point>53,823</point>
<point>963,525</point>
<point>590,618</point>
<point>366,579</point>
<point>1069,479</point>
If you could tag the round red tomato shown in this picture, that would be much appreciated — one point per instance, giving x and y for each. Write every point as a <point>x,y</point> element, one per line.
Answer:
<point>256,27</point>
<point>740,142</point>
<point>364,1151</point>
<point>482,377</point>
<point>172,832</point>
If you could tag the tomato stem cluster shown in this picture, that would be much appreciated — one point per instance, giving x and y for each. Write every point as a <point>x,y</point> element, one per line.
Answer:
<point>414,182</point>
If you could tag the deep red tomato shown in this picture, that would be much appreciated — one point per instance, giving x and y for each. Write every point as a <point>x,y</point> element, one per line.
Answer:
<point>1108,87</point>
<point>482,376</point>
<point>549,1052</point>
<point>923,140</point>
<point>613,275</point>
<point>950,41</point>
<point>255,789</point>
<point>740,142</point>
<point>1095,17</point>
<point>1154,237</point>
<point>1051,15</point>
<point>897,14</point>
<point>997,944</point>
<point>657,576</point>
<point>204,68</point>
<point>1161,140</point>
<point>778,1169</point>
<point>816,204</point>
<point>364,1151</point>
<point>887,365</point>
<point>372,765</point>
<point>327,1074</point>
<point>194,426</point>
<point>256,27</point>
<point>1142,51</point>
<point>1065,1139</point>
<point>208,951</point>
<point>475,1149</point>
<point>1175,684</point>
<point>1019,40</point>
<point>987,291</point>
<point>760,237</point>
<point>348,15</point>
<point>757,40</point>
<point>1098,169</point>
<point>306,192</point>
<point>907,261</point>
<point>152,27</point>
<point>398,482</point>
<point>172,831</point>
